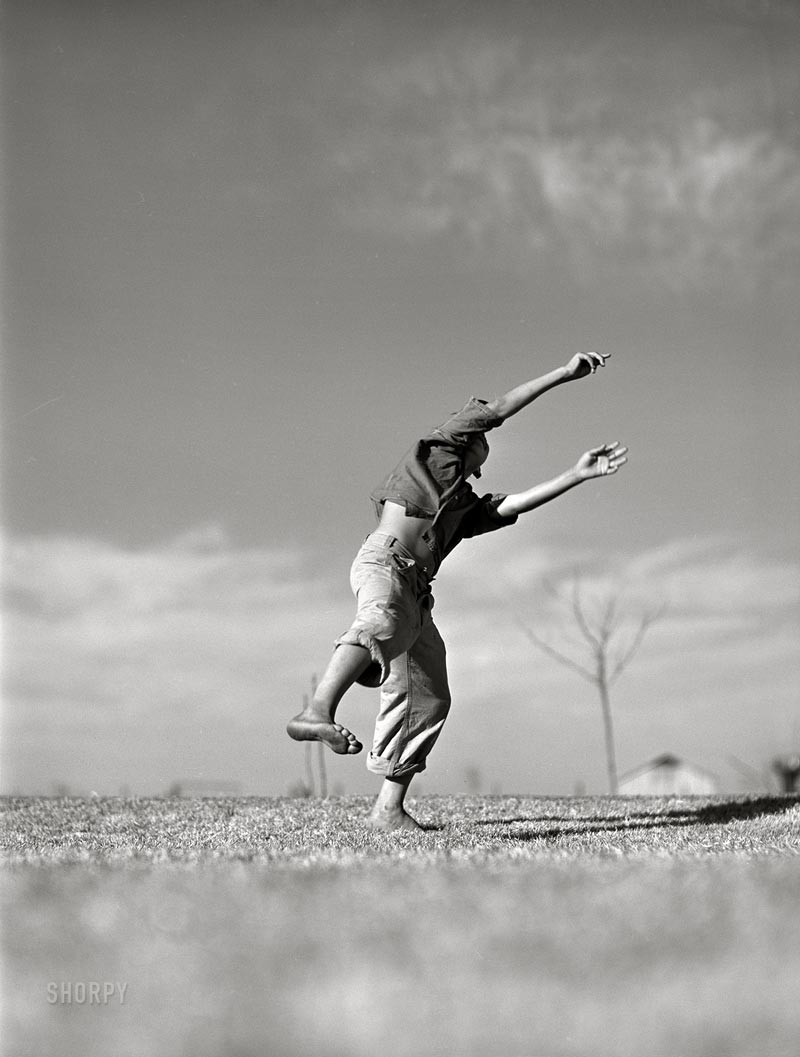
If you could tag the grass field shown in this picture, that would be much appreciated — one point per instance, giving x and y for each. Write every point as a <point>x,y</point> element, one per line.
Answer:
<point>513,927</point>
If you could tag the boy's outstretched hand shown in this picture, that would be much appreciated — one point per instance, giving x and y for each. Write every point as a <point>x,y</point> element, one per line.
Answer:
<point>583,363</point>
<point>602,461</point>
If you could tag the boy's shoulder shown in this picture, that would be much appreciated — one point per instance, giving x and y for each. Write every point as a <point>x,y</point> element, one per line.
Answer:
<point>476,416</point>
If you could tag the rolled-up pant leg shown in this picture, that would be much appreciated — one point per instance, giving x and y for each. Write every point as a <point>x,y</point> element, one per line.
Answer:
<point>389,615</point>
<point>415,700</point>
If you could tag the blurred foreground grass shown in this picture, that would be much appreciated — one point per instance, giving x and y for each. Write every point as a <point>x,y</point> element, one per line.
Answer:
<point>514,926</point>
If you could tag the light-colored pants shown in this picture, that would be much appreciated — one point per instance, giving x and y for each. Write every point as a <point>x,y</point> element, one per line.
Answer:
<point>394,623</point>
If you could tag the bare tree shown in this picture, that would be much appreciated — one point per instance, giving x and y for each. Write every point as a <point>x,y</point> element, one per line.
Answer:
<point>787,769</point>
<point>308,787</point>
<point>323,775</point>
<point>309,782</point>
<point>612,637</point>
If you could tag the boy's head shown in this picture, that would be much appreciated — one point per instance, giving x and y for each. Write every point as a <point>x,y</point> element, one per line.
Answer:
<point>475,455</point>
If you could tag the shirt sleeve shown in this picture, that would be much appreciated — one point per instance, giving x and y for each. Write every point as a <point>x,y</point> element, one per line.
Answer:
<point>474,417</point>
<point>484,516</point>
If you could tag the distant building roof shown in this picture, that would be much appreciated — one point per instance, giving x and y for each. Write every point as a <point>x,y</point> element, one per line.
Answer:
<point>668,775</point>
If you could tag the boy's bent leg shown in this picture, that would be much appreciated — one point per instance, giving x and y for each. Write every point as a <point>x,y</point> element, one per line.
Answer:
<point>388,812</point>
<point>386,622</point>
<point>316,721</point>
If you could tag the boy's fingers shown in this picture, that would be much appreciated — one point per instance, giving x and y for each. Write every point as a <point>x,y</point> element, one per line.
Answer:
<point>608,449</point>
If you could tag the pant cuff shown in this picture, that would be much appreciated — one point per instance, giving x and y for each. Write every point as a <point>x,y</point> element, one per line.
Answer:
<point>389,769</point>
<point>377,672</point>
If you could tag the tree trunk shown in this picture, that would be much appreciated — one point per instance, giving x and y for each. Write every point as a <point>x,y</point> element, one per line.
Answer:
<point>323,777</point>
<point>608,728</point>
<point>309,770</point>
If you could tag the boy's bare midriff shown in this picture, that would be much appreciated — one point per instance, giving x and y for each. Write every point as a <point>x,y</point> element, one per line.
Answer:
<point>408,530</point>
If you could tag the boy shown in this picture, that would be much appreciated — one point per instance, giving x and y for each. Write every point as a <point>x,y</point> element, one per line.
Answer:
<point>425,507</point>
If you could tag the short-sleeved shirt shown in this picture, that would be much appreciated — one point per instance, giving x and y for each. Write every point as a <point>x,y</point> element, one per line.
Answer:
<point>430,482</point>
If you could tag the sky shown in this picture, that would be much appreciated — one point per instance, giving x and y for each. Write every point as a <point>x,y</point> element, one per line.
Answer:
<point>252,251</point>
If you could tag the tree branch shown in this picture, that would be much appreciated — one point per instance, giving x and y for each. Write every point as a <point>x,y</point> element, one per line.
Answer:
<point>552,652</point>
<point>577,610</point>
<point>607,626</point>
<point>627,657</point>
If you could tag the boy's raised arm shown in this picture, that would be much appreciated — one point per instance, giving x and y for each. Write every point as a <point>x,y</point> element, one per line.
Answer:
<point>581,364</point>
<point>599,462</point>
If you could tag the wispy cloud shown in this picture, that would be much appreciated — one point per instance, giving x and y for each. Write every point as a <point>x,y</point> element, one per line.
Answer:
<point>151,661</point>
<point>515,151</point>
<point>191,612</point>
<point>727,637</point>
<point>141,650</point>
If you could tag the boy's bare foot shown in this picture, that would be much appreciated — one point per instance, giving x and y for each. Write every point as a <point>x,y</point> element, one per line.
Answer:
<point>390,819</point>
<point>388,813</point>
<point>309,725</point>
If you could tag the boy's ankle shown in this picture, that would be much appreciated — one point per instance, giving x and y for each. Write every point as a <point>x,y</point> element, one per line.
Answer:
<point>320,709</point>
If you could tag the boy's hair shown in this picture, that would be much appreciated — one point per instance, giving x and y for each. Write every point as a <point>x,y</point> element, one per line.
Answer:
<point>478,438</point>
